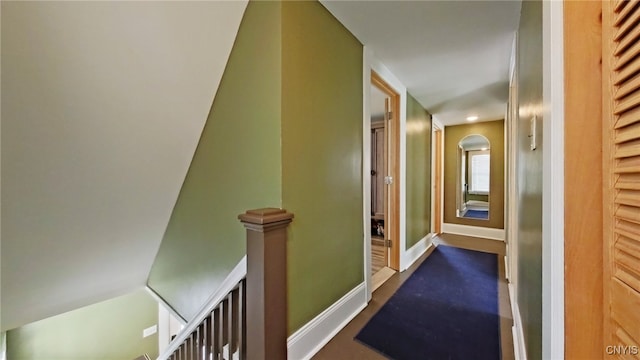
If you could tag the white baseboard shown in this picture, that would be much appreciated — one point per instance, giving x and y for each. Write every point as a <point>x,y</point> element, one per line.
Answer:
<point>477,231</point>
<point>315,334</point>
<point>519,348</point>
<point>410,256</point>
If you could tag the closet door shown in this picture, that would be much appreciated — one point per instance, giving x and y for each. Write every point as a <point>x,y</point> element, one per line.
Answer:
<point>621,146</point>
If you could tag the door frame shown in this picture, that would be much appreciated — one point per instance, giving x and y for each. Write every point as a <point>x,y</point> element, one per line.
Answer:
<point>511,188</point>
<point>392,160</point>
<point>585,147</point>
<point>370,62</point>
<point>437,195</point>
<point>553,226</point>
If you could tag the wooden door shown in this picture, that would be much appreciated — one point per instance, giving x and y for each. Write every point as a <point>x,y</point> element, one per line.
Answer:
<point>621,147</point>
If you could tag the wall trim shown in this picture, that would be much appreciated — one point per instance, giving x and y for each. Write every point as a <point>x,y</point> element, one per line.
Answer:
<point>519,347</point>
<point>512,201</point>
<point>436,126</point>
<point>477,231</point>
<point>165,305</point>
<point>553,333</point>
<point>3,345</point>
<point>366,166</point>
<point>419,248</point>
<point>436,123</point>
<point>164,339</point>
<point>315,334</point>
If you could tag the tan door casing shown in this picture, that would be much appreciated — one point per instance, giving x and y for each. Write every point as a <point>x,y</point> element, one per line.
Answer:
<point>437,184</point>
<point>392,194</point>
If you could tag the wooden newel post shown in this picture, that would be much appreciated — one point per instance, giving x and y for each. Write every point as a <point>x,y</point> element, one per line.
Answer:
<point>266,283</point>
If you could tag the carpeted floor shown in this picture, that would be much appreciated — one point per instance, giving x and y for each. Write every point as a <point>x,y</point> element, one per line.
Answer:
<point>448,309</point>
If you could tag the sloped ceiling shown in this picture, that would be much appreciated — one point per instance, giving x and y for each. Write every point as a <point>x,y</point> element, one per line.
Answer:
<point>103,104</point>
<point>453,56</point>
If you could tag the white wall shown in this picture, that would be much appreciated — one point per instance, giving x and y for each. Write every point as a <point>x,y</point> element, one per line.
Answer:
<point>553,181</point>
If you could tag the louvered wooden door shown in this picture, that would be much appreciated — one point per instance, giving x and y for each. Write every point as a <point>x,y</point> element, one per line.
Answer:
<point>621,119</point>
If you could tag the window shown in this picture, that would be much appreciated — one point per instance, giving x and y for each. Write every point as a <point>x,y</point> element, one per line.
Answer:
<point>479,172</point>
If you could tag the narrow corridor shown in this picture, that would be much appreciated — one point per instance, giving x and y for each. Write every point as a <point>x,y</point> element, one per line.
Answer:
<point>343,345</point>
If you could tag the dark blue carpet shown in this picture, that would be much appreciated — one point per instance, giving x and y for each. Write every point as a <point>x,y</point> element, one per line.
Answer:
<point>447,309</point>
<point>476,214</point>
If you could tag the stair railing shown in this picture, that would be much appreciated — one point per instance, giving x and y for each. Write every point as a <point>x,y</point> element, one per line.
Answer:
<point>246,318</point>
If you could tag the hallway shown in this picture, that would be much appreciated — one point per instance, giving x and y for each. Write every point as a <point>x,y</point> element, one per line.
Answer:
<point>343,345</point>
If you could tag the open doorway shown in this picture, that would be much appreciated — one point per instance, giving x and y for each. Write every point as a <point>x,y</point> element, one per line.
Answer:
<point>385,254</point>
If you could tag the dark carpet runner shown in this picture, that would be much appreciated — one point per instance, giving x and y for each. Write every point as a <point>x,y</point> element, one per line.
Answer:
<point>447,309</point>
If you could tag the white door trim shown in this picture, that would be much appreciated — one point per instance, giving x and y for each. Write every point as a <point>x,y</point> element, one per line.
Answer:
<point>553,181</point>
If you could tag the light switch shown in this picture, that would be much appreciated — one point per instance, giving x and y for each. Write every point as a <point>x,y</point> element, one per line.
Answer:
<point>532,133</point>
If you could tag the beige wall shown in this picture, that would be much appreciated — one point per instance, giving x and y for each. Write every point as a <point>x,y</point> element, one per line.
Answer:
<point>494,132</point>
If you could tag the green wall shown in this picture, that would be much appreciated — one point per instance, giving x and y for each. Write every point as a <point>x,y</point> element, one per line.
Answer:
<point>494,132</point>
<point>529,172</point>
<point>110,330</point>
<point>321,158</point>
<point>285,129</point>
<point>418,172</point>
<point>236,167</point>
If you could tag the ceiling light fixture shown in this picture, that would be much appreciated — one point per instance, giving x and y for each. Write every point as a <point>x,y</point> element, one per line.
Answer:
<point>472,118</point>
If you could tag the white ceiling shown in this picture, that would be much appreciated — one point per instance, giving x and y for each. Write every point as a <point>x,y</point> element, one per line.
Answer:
<point>103,104</point>
<point>453,56</point>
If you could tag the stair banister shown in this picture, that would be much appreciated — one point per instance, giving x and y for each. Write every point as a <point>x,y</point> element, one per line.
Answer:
<point>246,318</point>
<point>266,282</point>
